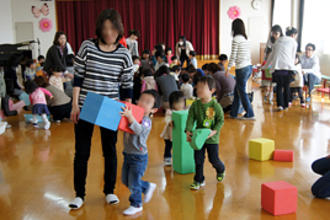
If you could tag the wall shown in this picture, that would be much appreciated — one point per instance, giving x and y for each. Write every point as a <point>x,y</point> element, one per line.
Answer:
<point>6,23</point>
<point>257,23</point>
<point>21,12</point>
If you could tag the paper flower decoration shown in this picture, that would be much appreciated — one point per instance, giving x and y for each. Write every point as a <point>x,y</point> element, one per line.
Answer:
<point>234,12</point>
<point>45,25</point>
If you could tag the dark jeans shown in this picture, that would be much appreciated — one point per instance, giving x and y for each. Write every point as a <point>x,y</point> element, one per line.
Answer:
<point>310,80</point>
<point>132,172</point>
<point>83,137</point>
<point>184,58</point>
<point>240,95</point>
<point>321,188</point>
<point>213,154</point>
<point>300,94</point>
<point>60,112</point>
<point>168,149</point>
<point>283,78</point>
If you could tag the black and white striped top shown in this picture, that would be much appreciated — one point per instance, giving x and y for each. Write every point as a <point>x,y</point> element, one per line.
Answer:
<point>240,53</point>
<point>106,73</point>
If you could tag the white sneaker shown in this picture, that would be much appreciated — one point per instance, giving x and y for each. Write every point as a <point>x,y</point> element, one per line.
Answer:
<point>279,108</point>
<point>111,199</point>
<point>47,125</point>
<point>76,203</point>
<point>150,192</point>
<point>168,161</point>
<point>132,210</point>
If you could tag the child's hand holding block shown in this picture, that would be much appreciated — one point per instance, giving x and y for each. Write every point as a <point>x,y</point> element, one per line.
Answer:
<point>199,137</point>
<point>261,149</point>
<point>101,111</point>
<point>279,198</point>
<point>283,155</point>
<point>138,114</point>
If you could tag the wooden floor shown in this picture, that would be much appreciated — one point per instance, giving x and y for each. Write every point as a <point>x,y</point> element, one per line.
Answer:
<point>36,171</point>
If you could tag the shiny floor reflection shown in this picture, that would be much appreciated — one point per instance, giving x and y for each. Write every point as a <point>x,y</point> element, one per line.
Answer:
<point>36,169</point>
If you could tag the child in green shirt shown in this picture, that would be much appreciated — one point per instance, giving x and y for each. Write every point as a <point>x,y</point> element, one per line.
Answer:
<point>207,113</point>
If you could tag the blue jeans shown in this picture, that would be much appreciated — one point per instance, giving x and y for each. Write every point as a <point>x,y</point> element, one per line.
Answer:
<point>240,95</point>
<point>321,188</point>
<point>310,80</point>
<point>132,172</point>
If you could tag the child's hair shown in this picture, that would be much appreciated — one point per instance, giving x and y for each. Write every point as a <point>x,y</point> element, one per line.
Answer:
<point>168,49</point>
<point>154,93</point>
<point>209,80</point>
<point>146,52</point>
<point>159,54</point>
<point>134,32</point>
<point>205,66</point>
<point>163,70</point>
<point>174,58</point>
<point>41,82</point>
<point>175,97</point>
<point>185,78</point>
<point>192,53</point>
<point>223,57</point>
<point>176,68</point>
<point>29,62</point>
<point>213,67</point>
<point>134,57</point>
<point>277,29</point>
<point>290,31</point>
<point>310,45</point>
<point>147,72</point>
<point>30,86</point>
<point>191,69</point>
<point>40,57</point>
<point>56,69</point>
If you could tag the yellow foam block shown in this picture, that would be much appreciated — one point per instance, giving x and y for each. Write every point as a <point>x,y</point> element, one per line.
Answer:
<point>261,149</point>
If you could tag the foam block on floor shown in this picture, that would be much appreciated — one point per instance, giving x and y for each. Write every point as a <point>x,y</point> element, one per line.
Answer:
<point>138,114</point>
<point>28,118</point>
<point>279,198</point>
<point>199,137</point>
<point>101,111</point>
<point>25,98</point>
<point>183,154</point>
<point>283,155</point>
<point>261,149</point>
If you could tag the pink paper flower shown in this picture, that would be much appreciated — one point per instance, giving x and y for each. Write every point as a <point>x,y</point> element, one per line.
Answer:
<point>234,12</point>
<point>45,25</point>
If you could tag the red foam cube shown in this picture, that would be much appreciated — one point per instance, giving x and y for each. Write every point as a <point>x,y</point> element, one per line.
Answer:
<point>138,114</point>
<point>283,155</point>
<point>279,198</point>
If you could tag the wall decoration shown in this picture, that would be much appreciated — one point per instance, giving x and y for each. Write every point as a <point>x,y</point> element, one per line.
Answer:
<point>256,4</point>
<point>45,25</point>
<point>234,12</point>
<point>35,11</point>
<point>43,10</point>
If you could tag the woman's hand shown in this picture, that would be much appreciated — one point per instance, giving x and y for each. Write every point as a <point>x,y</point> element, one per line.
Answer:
<point>75,112</point>
<point>189,135</point>
<point>213,132</point>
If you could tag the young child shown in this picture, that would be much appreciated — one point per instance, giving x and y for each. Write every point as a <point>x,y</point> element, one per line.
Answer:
<point>148,80</point>
<point>136,153</point>
<point>177,103</point>
<point>186,87</point>
<point>223,60</point>
<point>297,84</point>
<point>175,72</point>
<point>207,113</point>
<point>174,61</point>
<point>169,55</point>
<point>192,58</point>
<point>57,79</point>
<point>39,103</point>
<point>160,61</point>
<point>145,60</point>
<point>136,63</point>
<point>30,70</point>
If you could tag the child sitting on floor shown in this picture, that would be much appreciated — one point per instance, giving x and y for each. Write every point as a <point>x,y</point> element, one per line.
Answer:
<point>297,84</point>
<point>136,153</point>
<point>177,103</point>
<point>206,112</point>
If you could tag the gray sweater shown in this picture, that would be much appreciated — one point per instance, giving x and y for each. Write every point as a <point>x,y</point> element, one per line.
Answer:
<point>137,143</point>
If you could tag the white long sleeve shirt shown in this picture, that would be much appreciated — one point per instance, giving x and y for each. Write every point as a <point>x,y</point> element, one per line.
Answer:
<point>283,54</point>
<point>240,53</point>
<point>311,65</point>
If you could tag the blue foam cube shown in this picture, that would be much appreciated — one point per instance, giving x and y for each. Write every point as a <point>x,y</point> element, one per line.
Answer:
<point>101,111</point>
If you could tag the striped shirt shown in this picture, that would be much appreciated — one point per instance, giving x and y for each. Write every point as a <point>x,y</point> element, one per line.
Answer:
<point>240,53</point>
<point>105,73</point>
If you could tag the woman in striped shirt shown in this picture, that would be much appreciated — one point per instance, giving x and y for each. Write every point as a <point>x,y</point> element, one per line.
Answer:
<point>104,67</point>
<point>241,58</point>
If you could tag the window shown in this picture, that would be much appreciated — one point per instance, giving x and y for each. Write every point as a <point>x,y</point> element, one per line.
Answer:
<point>282,13</point>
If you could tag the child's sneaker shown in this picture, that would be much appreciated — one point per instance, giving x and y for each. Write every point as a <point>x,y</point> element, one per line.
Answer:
<point>47,125</point>
<point>197,185</point>
<point>111,199</point>
<point>132,210</point>
<point>150,192</point>
<point>36,125</point>
<point>76,203</point>
<point>303,105</point>
<point>168,161</point>
<point>220,176</point>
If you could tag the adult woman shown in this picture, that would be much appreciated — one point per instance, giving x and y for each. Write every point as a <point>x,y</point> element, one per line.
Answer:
<point>311,68</point>
<point>183,48</point>
<point>241,58</point>
<point>110,70</point>
<point>282,61</point>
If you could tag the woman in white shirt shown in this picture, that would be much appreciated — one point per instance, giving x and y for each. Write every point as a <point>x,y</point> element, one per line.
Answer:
<point>183,48</point>
<point>241,58</point>
<point>282,65</point>
<point>311,68</point>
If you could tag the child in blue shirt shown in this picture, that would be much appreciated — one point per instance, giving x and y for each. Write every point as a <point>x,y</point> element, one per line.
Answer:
<point>136,153</point>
